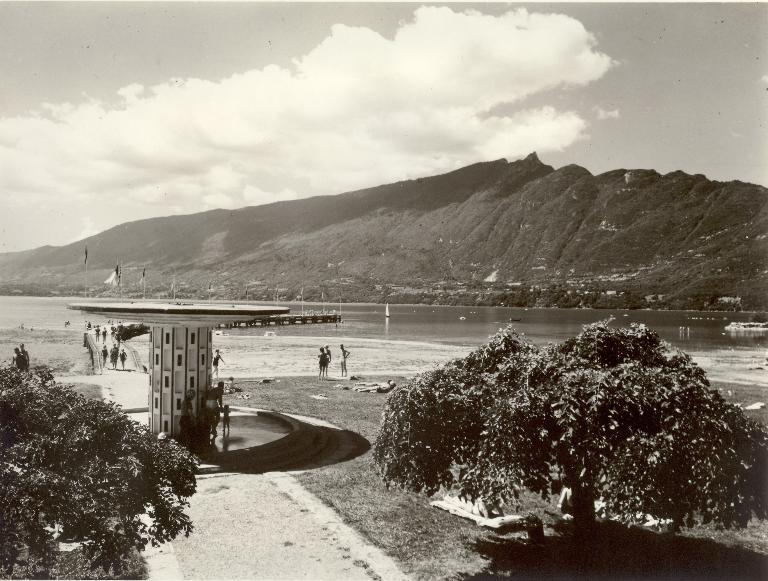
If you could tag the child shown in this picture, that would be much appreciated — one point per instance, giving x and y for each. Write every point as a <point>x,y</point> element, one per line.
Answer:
<point>216,359</point>
<point>323,360</point>
<point>225,427</point>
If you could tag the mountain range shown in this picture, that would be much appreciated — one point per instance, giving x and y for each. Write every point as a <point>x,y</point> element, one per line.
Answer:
<point>515,233</point>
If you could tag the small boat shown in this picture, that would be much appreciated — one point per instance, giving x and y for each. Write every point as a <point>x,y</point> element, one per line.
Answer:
<point>752,327</point>
<point>270,334</point>
<point>462,318</point>
<point>386,310</point>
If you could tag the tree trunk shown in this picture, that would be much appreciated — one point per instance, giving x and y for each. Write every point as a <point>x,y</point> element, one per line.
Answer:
<point>583,502</point>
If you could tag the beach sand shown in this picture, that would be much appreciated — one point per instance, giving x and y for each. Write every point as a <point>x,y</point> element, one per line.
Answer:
<point>256,356</point>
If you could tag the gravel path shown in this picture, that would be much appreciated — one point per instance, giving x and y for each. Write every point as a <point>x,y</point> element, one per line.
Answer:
<point>267,526</point>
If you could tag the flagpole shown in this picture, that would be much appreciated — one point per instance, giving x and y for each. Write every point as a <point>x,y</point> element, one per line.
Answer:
<point>302,301</point>
<point>86,272</point>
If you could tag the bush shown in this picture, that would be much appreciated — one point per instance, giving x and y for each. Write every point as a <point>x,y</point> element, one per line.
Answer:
<point>126,332</point>
<point>612,413</point>
<point>82,468</point>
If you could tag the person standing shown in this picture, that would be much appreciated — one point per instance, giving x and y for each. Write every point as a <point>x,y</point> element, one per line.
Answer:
<point>17,361</point>
<point>104,355</point>
<point>25,358</point>
<point>104,334</point>
<point>113,356</point>
<point>213,418</point>
<point>323,361</point>
<point>225,426</point>
<point>123,357</point>
<point>344,355</point>
<point>216,359</point>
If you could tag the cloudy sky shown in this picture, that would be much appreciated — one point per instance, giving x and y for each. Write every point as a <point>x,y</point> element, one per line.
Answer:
<point>113,112</point>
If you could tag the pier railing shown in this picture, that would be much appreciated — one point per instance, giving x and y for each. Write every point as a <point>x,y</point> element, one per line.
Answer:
<point>90,343</point>
<point>306,319</point>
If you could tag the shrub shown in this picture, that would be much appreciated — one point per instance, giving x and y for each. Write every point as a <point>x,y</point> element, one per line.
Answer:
<point>83,468</point>
<point>615,414</point>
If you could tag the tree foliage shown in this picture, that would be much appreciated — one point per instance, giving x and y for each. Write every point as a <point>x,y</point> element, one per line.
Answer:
<point>612,413</point>
<point>127,332</point>
<point>82,467</point>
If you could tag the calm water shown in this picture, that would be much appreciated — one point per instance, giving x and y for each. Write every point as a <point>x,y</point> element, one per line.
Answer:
<point>416,337</point>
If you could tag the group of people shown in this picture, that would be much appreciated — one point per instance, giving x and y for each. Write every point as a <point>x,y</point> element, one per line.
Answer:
<point>101,331</point>
<point>20,358</point>
<point>196,432</point>
<point>114,354</point>
<point>326,357</point>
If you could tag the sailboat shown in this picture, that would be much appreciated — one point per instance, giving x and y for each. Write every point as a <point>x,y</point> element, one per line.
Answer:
<point>386,311</point>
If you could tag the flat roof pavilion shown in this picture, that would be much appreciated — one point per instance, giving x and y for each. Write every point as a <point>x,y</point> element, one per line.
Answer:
<point>180,313</point>
<point>182,369</point>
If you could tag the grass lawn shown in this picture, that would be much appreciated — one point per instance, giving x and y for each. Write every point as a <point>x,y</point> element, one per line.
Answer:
<point>432,544</point>
<point>745,395</point>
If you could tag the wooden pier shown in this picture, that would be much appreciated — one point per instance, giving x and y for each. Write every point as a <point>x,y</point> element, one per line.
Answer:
<point>279,320</point>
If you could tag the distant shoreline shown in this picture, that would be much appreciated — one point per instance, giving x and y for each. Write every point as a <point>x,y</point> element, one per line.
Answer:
<point>331,307</point>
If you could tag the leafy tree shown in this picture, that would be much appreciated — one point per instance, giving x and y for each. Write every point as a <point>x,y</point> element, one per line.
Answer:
<point>127,332</point>
<point>612,413</point>
<point>83,467</point>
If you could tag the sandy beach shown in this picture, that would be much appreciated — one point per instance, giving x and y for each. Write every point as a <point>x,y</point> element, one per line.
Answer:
<point>256,356</point>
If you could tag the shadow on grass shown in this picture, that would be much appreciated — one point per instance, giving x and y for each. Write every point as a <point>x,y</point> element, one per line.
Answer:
<point>612,551</point>
<point>306,449</point>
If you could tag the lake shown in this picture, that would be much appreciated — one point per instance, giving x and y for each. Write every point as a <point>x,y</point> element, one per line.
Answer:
<point>416,337</point>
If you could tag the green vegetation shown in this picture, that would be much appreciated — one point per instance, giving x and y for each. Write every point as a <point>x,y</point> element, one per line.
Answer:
<point>80,470</point>
<point>126,332</point>
<point>613,414</point>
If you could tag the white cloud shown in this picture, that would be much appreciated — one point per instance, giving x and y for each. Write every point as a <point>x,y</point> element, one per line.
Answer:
<point>764,79</point>
<point>603,114</point>
<point>357,110</point>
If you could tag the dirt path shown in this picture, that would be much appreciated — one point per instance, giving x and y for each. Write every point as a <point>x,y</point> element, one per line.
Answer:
<point>267,526</point>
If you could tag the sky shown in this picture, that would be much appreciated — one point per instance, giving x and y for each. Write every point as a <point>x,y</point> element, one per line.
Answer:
<point>113,112</point>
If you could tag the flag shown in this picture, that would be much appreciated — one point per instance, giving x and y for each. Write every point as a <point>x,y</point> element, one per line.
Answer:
<point>86,254</point>
<point>143,273</point>
<point>114,278</point>
<point>119,272</point>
